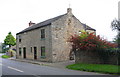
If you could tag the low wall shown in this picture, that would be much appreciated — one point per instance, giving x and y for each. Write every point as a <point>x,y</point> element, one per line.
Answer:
<point>100,57</point>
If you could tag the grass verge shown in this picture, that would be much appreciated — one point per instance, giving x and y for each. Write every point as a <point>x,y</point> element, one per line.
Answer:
<point>101,68</point>
<point>5,56</point>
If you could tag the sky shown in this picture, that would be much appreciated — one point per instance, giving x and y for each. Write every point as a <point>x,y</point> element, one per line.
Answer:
<point>98,14</point>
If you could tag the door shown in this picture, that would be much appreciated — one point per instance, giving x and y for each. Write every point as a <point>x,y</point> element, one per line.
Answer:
<point>24,52</point>
<point>35,52</point>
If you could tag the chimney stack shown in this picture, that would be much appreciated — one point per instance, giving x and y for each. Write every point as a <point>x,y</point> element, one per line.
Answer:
<point>31,23</point>
<point>69,10</point>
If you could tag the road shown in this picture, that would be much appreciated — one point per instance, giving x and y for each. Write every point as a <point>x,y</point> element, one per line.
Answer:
<point>0,65</point>
<point>10,67</point>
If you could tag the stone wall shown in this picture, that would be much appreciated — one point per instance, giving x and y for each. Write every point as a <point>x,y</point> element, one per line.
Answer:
<point>33,39</point>
<point>95,58</point>
<point>86,57</point>
<point>62,29</point>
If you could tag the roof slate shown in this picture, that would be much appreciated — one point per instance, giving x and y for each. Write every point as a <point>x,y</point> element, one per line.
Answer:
<point>48,22</point>
<point>41,24</point>
<point>88,27</point>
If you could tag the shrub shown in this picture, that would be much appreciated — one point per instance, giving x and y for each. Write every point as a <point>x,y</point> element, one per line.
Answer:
<point>106,52</point>
<point>11,52</point>
<point>5,56</point>
<point>90,42</point>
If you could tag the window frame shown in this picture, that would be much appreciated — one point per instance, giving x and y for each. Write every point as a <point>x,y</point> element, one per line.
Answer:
<point>42,33</point>
<point>20,39</point>
<point>43,52</point>
<point>31,49</point>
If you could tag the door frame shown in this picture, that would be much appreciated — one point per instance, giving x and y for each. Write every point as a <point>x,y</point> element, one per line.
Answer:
<point>24,52</point>
<point>35,53</point>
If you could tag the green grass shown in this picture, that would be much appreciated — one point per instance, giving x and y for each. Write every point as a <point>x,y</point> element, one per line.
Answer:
<point>101,68</point>
<point>5,56</point>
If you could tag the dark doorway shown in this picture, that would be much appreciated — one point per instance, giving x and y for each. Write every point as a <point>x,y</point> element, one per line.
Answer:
<point>24,52</point>
<point>35,52</point>
<point>72,55</point>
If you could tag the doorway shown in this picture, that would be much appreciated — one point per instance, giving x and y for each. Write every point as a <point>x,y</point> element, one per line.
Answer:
<point>35,52</point>
<point>24,52</point>
<point>72,55</point>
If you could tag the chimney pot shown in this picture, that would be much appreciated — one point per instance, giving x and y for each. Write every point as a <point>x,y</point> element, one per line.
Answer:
<point>31,23</point>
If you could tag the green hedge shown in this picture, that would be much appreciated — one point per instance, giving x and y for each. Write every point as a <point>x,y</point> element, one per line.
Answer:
<point>5,56</point>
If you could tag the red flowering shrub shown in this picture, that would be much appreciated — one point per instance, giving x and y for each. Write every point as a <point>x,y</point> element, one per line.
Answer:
<point>86,42</point>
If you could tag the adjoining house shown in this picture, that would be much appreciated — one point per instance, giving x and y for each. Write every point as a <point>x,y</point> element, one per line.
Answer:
<point>48,40</point>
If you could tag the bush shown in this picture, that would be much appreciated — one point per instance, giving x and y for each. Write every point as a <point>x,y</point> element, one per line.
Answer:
<point>5,56</point>
<point>11,52</point>
<point>90,42</point>
<point>90,48</point>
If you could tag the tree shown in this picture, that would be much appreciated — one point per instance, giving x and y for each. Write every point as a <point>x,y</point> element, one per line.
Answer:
<point>115,24</point>
<point>89,42</point>
<point>10,40</point>
<point>4,48</point>
<point>0,47</point>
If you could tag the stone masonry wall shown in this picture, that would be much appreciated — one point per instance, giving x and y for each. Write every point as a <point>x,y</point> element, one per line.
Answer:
<point>95,57</point>
<point>87,57</point>
<point>33,39</point>
<point>62,29</point>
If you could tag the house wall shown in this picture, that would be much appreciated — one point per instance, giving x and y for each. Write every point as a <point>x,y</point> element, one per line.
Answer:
<point>62,29</point>
<point>56,43</point>
<point>33,39</point>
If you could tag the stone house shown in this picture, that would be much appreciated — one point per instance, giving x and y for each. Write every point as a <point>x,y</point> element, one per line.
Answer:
<point>48,40</point>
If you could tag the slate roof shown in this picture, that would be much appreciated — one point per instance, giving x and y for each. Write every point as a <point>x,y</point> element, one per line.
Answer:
<point>87,27</point>
<point>41,24</point>
<point>48,22</point>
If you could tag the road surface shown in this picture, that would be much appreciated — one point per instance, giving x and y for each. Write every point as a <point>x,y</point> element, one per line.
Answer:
<point>10,67</point>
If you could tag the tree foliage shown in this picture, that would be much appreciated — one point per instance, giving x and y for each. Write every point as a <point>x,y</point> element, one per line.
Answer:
<point>10,40</point>
<point>90,42</point>
<point>115,24</point>
<point>4,48</point>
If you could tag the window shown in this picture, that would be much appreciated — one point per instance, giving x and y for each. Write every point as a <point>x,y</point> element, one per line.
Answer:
<point>42,33</point>
<point>43,51</point>
<point>20,51</point>
<point>31,49</point>
<point>19,38</point>
<point>69,22</point>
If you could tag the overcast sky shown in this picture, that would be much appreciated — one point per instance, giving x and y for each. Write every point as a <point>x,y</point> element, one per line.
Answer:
<point>98,14</point>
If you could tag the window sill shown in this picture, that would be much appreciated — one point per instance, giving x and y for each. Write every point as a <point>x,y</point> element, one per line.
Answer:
<point>42,38</point>
<point>43,57</point>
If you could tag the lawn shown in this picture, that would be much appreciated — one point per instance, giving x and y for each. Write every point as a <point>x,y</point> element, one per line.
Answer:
<point>101,68</point>
<point>5,56</point>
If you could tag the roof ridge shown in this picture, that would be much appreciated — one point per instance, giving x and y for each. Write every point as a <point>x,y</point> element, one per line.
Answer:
<point>52,18</point>
<point>41,24</point>
<point>87,27</point>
